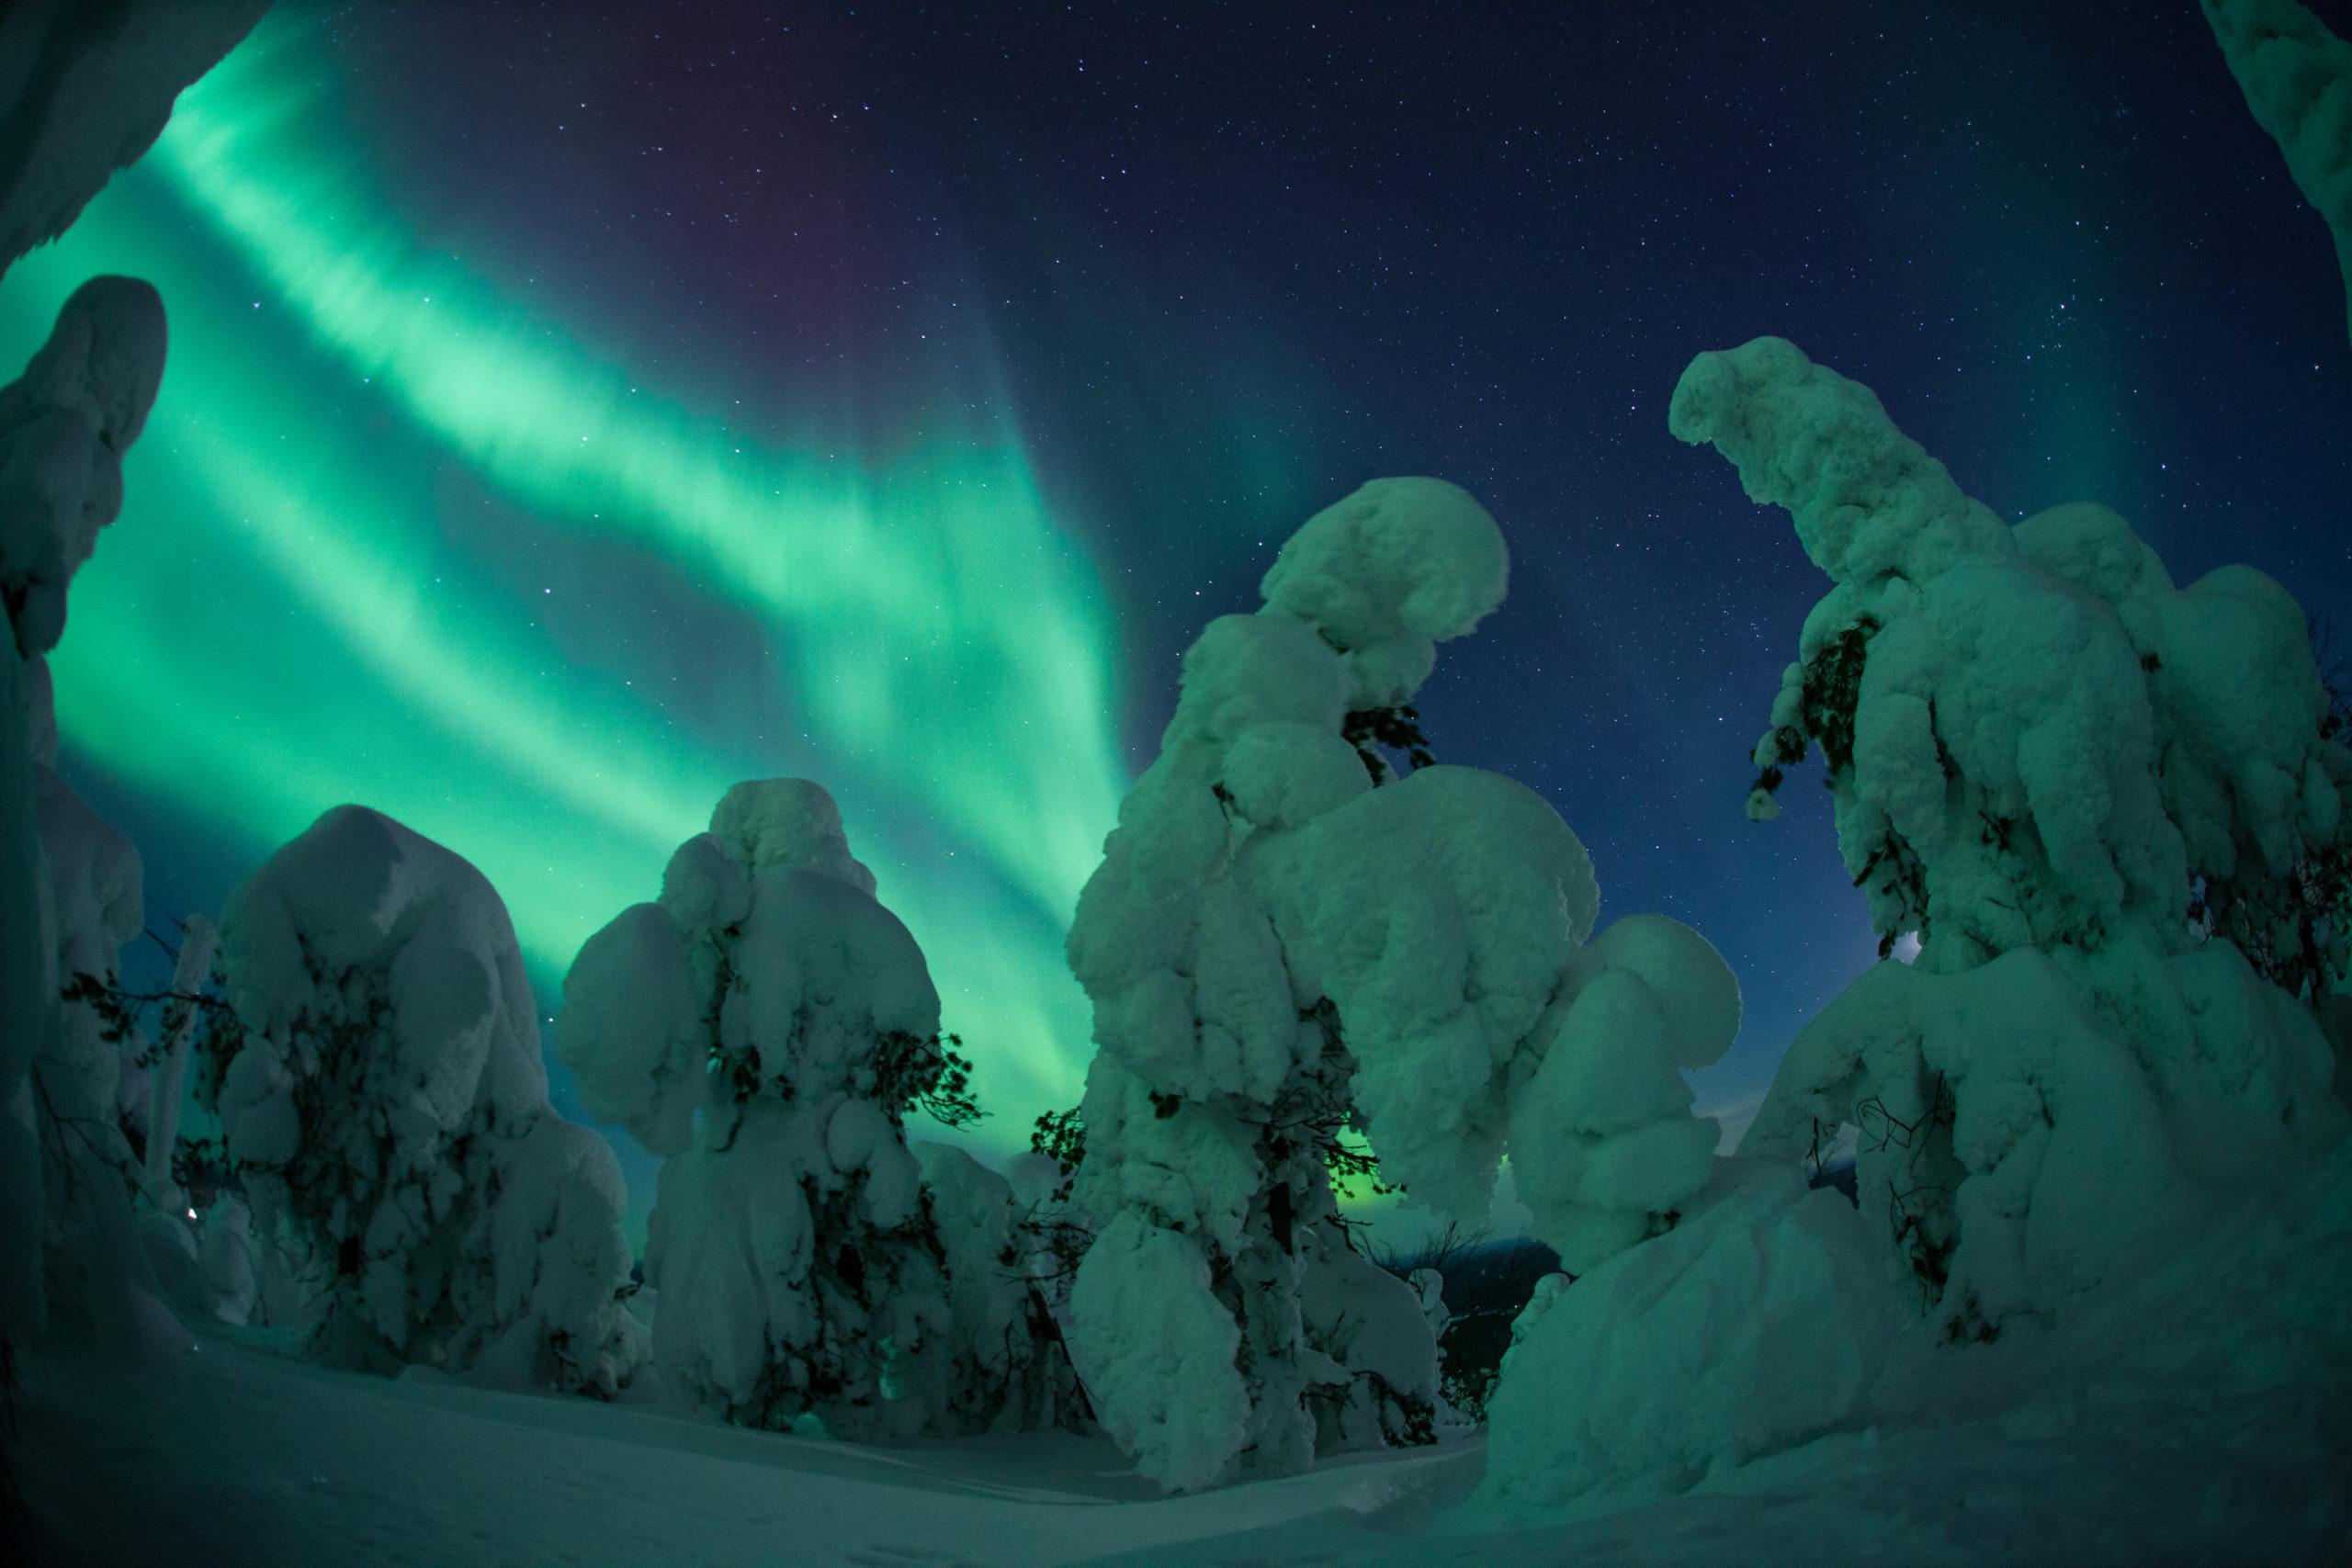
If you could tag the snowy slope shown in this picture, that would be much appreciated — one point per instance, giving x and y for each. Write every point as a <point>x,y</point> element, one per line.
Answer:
<point>245,1457</point>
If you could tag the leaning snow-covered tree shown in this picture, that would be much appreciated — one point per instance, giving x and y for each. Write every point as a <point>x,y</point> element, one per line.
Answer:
<point>80,101</point>
<point>69,883</point>
<point>2043,757</point>
<point>767,1025</point>
<point>1286,939</point>
<point>382,1097</point>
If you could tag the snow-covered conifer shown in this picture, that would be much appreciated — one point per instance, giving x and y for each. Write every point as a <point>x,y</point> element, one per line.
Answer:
<point>2043,759</point>
<point>765,1025</point>
<point>69,883</point>
<point>1286,939</point>
<point>383,1098</point>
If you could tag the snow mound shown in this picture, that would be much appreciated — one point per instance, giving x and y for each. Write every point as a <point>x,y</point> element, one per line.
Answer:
<point>1759,1313</point>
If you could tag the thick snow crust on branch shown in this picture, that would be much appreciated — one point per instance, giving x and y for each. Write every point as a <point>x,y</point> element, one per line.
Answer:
<point>85,89</point>
<point>65,425</point>
<point>1286,941</point>
<point>2297,77</point>
<point>765,1024</point>
<point>386,1101</point>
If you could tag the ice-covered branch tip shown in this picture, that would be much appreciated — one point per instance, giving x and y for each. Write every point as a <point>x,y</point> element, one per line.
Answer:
<point>1388,573</point>
<point>1869,501</point>
<point>65,425</point>
<point>2297,77</point>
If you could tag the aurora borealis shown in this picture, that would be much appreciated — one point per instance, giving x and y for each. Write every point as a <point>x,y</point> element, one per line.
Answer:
<point>948,660</point>
<point>568,416</point>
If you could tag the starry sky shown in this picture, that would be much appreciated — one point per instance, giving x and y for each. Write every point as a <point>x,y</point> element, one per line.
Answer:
<point>576,408</point>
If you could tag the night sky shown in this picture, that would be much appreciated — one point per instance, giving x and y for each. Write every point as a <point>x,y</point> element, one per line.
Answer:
<point>573,408</point>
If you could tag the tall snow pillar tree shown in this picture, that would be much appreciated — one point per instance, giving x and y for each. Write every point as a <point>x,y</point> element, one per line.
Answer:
<point>1284,940</point>
<point>765,1025</point>
<point>2112,813</point>
<point>65,426</point>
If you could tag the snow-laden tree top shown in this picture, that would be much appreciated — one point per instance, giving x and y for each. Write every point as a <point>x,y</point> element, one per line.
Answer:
<point>2297,77</point>
<point>2112,737</point>
<point>1388,573</point>
<point>1869,501</point>
<point>85,89</point>
<point>766,944</point>
<point>358,899</point>
<point>65,425</point>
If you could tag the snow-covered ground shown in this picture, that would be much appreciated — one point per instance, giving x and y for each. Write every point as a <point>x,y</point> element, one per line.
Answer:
<point>240,1455</point>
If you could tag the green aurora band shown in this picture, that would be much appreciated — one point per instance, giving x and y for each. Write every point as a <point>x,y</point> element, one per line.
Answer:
<point>290,613</point>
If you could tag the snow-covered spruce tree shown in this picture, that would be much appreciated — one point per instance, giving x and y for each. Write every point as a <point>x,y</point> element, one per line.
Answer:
<point>382,1097</point>
<point>765,1026</point>
<point>2039,753</point>
<point>1285,940</point>
<point>69,883</point>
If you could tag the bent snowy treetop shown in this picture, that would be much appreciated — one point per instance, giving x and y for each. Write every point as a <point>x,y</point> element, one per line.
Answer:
<point>2039,752</point>
<point>65,425</point>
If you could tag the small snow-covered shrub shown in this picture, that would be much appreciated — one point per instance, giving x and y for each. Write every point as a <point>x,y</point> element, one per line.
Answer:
<point>767,1025</point>
<point>383,1101</point>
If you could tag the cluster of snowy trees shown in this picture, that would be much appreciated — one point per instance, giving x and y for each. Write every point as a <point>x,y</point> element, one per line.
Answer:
<point>402,1187</point>
<point>2111,813</point>
<point>388,1179</point>
<point>388,1175</point>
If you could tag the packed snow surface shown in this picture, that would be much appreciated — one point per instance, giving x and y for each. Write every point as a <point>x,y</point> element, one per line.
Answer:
<point>233,1454</point>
